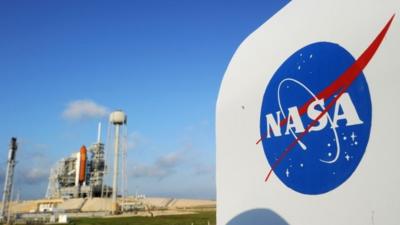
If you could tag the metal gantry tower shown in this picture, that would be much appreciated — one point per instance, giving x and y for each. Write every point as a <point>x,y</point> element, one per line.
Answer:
<point>53,188</point>
<point>97,166</point>
<point>9,180</point>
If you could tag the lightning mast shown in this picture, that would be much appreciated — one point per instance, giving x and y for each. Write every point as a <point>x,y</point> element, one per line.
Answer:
<point>9,180</point>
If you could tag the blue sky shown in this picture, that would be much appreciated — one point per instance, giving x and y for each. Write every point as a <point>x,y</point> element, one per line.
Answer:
<point>65,64</point>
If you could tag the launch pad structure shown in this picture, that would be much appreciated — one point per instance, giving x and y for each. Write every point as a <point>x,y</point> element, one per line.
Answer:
<point>79,176</point>
<point>82,175</point>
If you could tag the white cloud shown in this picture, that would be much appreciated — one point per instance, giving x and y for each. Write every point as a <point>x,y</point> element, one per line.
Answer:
<point>161,168</point>
<point>135,139</point>
<point>34,175</point>
<point>204,169</point>
<point>83,109</point>
<point>150,171</point>
<point>170,160</point>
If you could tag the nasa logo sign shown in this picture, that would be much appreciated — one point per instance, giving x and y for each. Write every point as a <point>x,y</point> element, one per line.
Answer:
<point>316,114</point>
<point>307,118</point>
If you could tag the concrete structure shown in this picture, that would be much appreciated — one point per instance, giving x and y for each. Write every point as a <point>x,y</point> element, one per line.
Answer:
<point>97,205</point>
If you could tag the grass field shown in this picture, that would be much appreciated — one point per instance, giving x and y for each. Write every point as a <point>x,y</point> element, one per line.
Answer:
<point>202,218</point>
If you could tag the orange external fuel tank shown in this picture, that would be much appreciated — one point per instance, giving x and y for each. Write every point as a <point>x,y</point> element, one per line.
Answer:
<point>82,164</point>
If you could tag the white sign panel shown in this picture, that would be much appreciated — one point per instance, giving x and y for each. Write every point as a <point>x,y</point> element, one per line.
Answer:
<point>308,118</point>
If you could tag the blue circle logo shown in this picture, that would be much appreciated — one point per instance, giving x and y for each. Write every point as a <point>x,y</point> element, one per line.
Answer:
<point>315,125</point>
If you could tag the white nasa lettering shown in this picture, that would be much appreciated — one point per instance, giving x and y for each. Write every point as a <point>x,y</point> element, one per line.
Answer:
<point>313,113</point>
<point>349,111</point>
<point>273,125</point>
<point>295,124</point>
<point>294,121</point>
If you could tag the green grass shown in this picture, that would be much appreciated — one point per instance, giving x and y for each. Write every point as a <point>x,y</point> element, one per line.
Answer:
<point>202,218</point>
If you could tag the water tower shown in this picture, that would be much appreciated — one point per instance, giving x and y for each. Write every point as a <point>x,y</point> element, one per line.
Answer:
<point>117,118</point>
